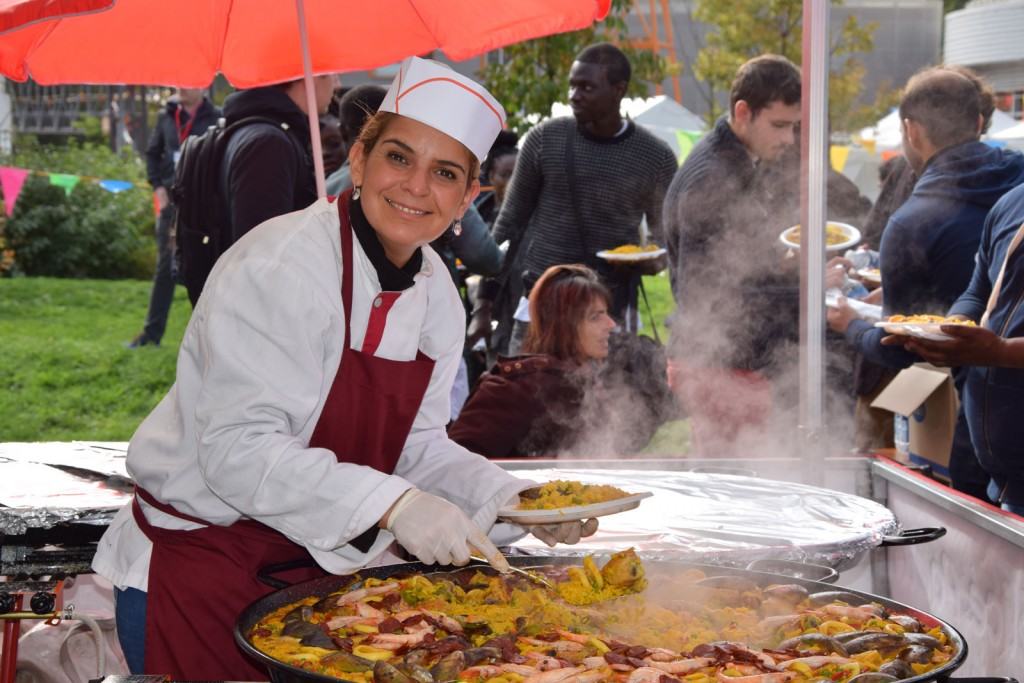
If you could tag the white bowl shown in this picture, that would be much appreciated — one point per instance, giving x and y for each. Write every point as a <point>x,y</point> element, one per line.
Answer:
<point>852,237</point>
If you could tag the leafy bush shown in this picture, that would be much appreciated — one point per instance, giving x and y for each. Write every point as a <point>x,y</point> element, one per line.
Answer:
<point>90,232</point>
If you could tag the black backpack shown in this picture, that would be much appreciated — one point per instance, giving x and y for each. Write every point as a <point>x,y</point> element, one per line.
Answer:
<point>202,228</point>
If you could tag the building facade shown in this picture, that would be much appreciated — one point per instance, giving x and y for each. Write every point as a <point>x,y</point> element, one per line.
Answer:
<point>987,36</point>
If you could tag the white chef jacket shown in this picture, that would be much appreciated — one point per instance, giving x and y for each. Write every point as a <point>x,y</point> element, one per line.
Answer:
<point>231,438</point>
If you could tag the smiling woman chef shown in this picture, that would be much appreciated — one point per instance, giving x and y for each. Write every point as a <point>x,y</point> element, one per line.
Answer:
<point>308,413</point>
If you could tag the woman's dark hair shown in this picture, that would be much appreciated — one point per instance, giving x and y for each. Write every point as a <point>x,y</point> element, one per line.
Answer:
<point>504,145</point>
<point>558,304</point>
<point>375,126</point>
<point>763,80</point>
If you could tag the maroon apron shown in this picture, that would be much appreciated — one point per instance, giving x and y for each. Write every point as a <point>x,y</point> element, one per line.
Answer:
<point>201,580</point>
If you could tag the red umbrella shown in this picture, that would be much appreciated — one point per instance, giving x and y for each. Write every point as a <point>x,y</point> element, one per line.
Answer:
<point>259,42</point>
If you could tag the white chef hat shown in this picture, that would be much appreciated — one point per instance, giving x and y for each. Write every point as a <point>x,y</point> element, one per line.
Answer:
<point>435,94</point>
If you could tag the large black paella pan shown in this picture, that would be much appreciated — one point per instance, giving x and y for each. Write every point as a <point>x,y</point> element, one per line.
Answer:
<point>730,659</point>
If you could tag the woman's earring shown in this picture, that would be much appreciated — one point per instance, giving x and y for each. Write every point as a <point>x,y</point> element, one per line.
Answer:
<point>457,227</point>
<point>356,191</point>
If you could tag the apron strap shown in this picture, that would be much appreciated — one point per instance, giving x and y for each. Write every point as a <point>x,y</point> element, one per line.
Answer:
<point>165,508</point>
<point>997,287</point>
<point>346,262</point>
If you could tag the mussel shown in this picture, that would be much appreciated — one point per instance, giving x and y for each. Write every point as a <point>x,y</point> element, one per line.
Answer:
<point>880,640</point>
<point>872,677</point>
<point>897,668</point>
<point>819,640</point>
<point>347,662</point>
<point>386,673</point>
<point>917,654</point>
<point>449,667</point>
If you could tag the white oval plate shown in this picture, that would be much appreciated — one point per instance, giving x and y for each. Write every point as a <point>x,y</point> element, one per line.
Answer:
<point>853,237</point>
<point>631,258</point>
<point>872,275</point>
<point>609,507</point>
<point>931,331</point>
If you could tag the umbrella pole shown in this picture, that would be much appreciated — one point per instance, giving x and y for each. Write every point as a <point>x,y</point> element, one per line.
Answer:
<point>311,108</point>
<point>813,202</point>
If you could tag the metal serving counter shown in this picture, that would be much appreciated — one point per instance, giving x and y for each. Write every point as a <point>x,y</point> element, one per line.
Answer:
<point>974,576</point>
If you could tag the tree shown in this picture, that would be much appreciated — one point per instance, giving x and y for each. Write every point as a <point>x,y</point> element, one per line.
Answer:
<point>534,74</point>
<point>741,29</point>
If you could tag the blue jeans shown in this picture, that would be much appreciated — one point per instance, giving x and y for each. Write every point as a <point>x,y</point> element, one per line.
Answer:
<point>993,494</point>
<point>162,294</point>
<point>130,615</point>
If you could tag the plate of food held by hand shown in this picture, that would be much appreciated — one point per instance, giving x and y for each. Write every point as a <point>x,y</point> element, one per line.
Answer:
<point>838,236</point>
<point>632,253</point>
<point>922,326</point>
<point>567,501</point>
<point>871,276</point>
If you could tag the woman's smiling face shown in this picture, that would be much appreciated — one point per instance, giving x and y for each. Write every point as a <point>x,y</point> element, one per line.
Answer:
<point>413,184</point>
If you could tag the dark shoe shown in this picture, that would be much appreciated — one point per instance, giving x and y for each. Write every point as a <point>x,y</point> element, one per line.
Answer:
<point>141,340</point>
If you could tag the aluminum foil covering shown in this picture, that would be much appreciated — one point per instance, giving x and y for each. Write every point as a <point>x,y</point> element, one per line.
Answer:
<point>726,519</point>
<point>46,484</point>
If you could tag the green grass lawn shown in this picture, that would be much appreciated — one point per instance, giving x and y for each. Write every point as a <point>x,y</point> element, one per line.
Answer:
<point>66,375</point>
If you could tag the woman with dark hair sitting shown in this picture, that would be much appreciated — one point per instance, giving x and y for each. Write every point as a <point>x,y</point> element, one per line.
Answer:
<point>563,394</point>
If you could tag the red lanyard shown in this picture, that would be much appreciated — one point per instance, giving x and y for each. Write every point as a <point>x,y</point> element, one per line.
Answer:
<point>183,132</point>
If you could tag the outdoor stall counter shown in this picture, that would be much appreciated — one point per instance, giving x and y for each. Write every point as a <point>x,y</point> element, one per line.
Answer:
<point>728,508</point>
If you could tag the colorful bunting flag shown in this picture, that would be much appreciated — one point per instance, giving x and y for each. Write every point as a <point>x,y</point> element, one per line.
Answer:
<point>838,155</point>
<point>11,180</point>
<point>116,186</point>
<point>686,139</point>
<point>65,180</point>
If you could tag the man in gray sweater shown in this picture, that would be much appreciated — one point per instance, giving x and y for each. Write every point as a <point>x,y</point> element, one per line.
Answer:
<point>582,184</point>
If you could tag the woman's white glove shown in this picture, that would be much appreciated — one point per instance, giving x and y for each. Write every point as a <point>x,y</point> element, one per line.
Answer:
<point>434,530</point>
<point>563,532</point>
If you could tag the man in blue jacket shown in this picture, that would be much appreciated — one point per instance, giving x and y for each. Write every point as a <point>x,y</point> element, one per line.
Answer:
<point>927,249</point>
<point>928,246</point>
<point>991,355</point>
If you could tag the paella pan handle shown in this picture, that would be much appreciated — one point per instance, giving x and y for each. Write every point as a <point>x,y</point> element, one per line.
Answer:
<point>265,574</point>
<point>913,537</point>
<point>796,570</point>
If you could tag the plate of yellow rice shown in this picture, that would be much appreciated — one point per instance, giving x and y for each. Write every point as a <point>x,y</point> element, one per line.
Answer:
<point>565,501</point>
<point>632,253</point>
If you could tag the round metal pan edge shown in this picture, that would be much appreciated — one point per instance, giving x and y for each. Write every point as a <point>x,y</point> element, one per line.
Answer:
<point>281,672</point>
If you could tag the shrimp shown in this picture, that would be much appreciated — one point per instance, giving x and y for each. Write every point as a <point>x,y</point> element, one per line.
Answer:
<point>594,662</point>
<point>363,593</point>
<point>660,654</point>
<point>680,667</point>
<point>561,647</point>
<point>862,613</point>
<point>781,621</point>
<point>446,622</point>
<point>396,641</point>
<point>542,661</point>
<point>554,675</point>
<point>774,677</point>
<point>340,622</point>
<point>646,674</point>
<point>365,610</point>
<point>591,676</point>
<point>574,637</point>
<point>520,669</point>
<point>481,673</point>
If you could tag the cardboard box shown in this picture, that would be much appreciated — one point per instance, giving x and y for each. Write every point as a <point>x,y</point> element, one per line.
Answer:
<point>924,395</point>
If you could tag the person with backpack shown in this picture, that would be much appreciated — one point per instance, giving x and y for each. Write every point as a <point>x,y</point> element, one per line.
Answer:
<point>307,419</point>
<point>190,112</point>
<point>259,165</point>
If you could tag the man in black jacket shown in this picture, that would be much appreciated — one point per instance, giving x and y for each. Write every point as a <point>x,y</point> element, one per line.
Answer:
<point>190,113</point>
<point>267,169</point>
<point>737,295</point>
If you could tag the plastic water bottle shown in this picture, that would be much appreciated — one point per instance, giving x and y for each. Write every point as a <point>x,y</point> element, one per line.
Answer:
<point>901,436</point>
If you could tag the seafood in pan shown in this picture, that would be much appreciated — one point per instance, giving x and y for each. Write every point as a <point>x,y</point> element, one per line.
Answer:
<point>613,623</point>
